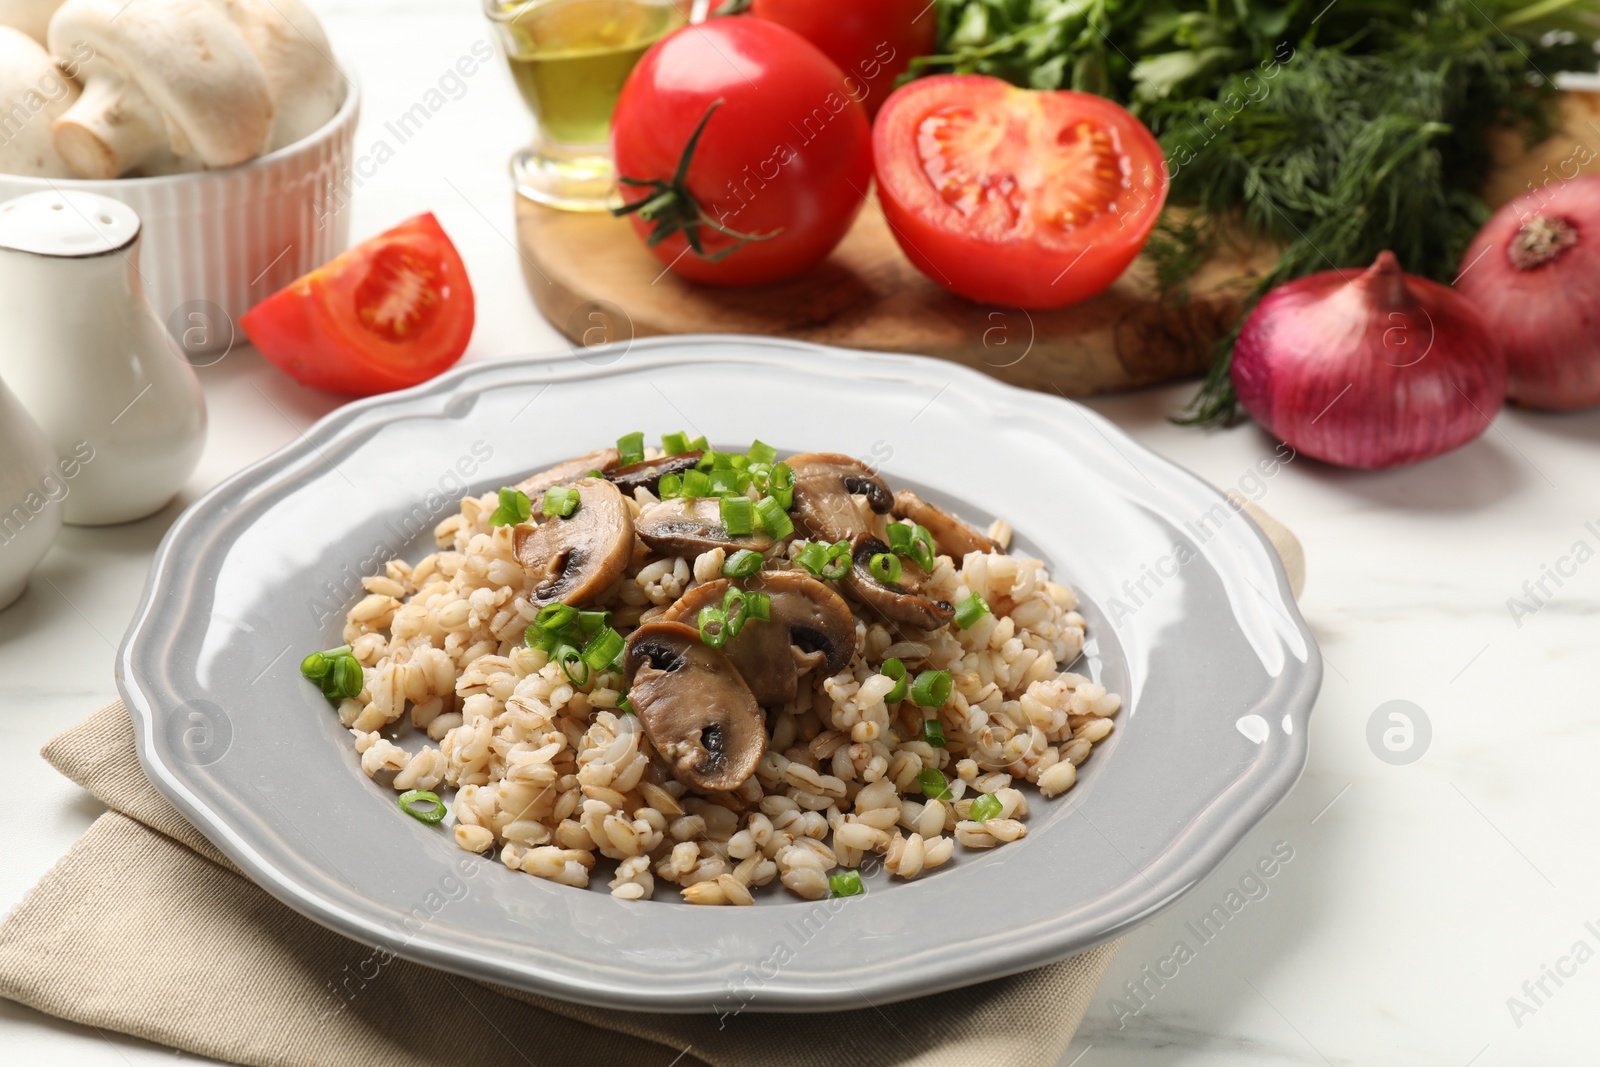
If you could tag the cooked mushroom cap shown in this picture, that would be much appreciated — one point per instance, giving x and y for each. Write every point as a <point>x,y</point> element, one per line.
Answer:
<point>535,484</point>
<point>646,474</point>
<point>904,602</point>
<point>810,625</point>
<point>694,706</point>
<point>955,537</point>
<point>688,527</point>
<point>823,484</point>
<point>577,559</point>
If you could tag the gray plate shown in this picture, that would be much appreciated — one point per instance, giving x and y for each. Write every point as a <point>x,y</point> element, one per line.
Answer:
<point>1191,619</point>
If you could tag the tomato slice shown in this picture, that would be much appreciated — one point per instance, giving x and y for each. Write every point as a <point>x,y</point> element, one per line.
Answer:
<point>1016,197</point>
<point>391,312</point>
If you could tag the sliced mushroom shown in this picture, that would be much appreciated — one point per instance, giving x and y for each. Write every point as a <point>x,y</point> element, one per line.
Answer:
<point>562,473</point>
<point>577,559</point>
<point>646,474</point>
<point>688,527</point>
<point>954,536</point>
<point>823,484</point>
<point>695,707</point>
<point>904,602</point>
<point>811,625</point>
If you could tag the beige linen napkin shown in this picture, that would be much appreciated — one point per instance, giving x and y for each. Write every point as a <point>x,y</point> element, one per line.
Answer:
<point>146,929</point>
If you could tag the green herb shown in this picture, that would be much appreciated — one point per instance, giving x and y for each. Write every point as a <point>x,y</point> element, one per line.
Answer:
<point>742,564</point>
<point>336,671</point>
<point>738,515</point>
<point>774,517</point>
<point>885,566</point>
<point>931,689</point>
<point>1335,130</point>
<point>933,783</point>
<point>675,444</point>
<point>630,448</point>
<point>430,815</point>
<point>971,610</point>
<point>846,884</point>
<point>514,508</point>
<point>894,668</point>
<point>933,732</point>
<point>560,501</point>
<point>986,807</point>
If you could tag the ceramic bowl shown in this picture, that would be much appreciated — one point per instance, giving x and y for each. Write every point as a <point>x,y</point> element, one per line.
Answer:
<point>216,242</point>
<point>1216,667</point>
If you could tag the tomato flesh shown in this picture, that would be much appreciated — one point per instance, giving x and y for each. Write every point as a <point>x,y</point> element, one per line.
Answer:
<point>390,313</point>
<point>1015,197</point>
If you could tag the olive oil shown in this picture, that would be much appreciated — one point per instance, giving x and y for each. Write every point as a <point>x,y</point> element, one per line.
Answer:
<point>570,58</point>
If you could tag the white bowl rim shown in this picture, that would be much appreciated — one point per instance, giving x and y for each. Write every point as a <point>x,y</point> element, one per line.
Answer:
<point>347,114</point>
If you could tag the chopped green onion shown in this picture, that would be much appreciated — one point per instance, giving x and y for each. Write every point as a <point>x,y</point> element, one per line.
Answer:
<point>986,807</point>
<point>698,445</point>
<point>971,610</point>
<point>431,815</point>
<point>774,517</point>
<point>738,515</point>
<point>714,460</point>
<point>696,483</point>
<point>759,605</point>
<point>839,561</point>
<point>560,501</point>
<point>592,621</point>
<point>846,884</point>
<point>780,483</point>
<point>933,732</point>
<point>922,550</point>
<point>713,624</point>
<point>514,508</point>
<point>885,567</point>
<point>813,558</point>
<point>739,461</point>
<point>743,563</point>
<point>726,481</point>
<point>570,658</point>
<point>736,609</point>
<point>933,784</point>
<point>893,668</point>
<point>345,679</point>
<point>931,689</point>
<point>671,485</point>
<point>630,448</point>
<point>602,649</point>
<point>317,665</point>
<point>900,538</point>
<point>553,617</point>
<point>625,705</point>
<point>760,452</point>
<point>535,637</point>
<point>675,444</point>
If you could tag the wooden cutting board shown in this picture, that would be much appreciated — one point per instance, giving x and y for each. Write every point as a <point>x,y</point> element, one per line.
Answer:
<point>595,281</point>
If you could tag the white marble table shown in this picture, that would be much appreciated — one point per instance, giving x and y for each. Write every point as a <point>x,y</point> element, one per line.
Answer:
<point>1417,899</point>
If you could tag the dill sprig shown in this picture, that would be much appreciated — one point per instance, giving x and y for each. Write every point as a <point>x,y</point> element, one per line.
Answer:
<point>1336,131</point>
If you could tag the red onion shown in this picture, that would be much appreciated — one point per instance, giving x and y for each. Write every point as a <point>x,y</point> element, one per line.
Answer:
<point>1370,369</point>
<point>1534,273</point>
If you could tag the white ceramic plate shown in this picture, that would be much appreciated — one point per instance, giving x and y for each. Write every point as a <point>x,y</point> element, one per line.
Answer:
<point>1217,671</point>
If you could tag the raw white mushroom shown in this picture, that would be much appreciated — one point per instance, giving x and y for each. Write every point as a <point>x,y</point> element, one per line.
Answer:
<point>32,17</point>
<point>176,84</point>
<point>33,94</point>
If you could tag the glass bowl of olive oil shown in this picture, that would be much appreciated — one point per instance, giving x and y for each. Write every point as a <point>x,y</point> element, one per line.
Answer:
<point>569,59</point>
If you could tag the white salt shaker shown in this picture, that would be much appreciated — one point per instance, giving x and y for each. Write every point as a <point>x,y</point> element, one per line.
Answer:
<point>88,359</point>
<point>31,491</point>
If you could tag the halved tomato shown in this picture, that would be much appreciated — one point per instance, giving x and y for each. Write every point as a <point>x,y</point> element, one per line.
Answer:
<point>391,312</point>
<point>1016,197</point>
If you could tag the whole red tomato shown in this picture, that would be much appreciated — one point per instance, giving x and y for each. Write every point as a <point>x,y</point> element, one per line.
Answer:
<point>1015,197</point>
<point>873,41</point>
<point>778,170</point>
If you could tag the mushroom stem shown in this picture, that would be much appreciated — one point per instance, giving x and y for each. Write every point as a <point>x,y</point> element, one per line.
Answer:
<point>113,128</point>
